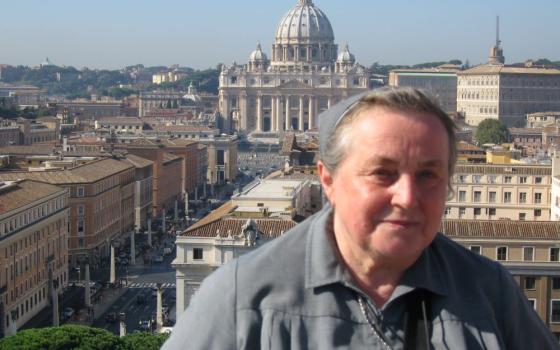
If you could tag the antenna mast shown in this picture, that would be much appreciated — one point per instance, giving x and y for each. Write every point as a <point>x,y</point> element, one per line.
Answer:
<point>498,42</point>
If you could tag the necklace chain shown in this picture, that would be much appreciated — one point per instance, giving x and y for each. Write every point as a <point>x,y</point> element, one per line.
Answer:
<point>371,326</point>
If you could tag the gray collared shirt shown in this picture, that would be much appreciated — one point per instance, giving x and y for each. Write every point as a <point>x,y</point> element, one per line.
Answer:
<point>294,293</point>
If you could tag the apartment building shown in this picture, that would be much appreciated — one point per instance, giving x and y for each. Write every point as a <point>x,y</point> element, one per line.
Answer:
<point>496,192</point>
<point>33,249</point>
<point>221,148</point>
<point>529,250</point>
<point>167,172</point>
<point>542,119</point>
<point>555,202</point>
<point>125,125</point>
<point>101,204</point>
<point>439,82</point>
<point>195,163</point>
<point>506,93</point>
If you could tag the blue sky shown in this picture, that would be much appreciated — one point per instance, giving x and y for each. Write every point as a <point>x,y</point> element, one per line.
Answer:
<point>200,34</point>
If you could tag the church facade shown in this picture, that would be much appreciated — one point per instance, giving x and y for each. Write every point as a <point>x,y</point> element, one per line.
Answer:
<point>305,75</point>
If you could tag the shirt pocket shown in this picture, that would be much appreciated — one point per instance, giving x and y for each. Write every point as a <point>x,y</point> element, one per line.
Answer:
<point>295,332</point>
<point>477,330</point>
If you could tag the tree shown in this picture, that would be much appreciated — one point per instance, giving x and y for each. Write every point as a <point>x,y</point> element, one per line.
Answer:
<point>80,337</point>
<point>65,337</point>
<point>144,341</point>
<point>491,131</point>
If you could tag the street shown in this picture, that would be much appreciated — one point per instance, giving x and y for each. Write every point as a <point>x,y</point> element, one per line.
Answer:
<point>139,300</point>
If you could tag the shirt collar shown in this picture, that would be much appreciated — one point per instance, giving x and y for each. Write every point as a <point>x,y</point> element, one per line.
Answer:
<point>323,265</point>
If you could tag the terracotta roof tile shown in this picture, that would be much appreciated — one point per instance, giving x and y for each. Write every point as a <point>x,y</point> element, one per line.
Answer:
<point>23,193</point>
<point>501,229</point>
<point>269,228</point>
<point>89,172</point>
<point>543,170</point>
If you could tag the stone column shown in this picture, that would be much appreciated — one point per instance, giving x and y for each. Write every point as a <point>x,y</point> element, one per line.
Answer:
<point>176,212</point>
<point>54,303</point>
<point>315,109</point>
<point>287,121</point>
<point>87,287</point>
<point>159,311</point>
<point>259,113</point>
<point>301,107</point>
<point>112,276</point>
<point>243,112</point>
<point>150,232</point>
<point>163,219</point>
<point>187,204</point>
<point>310,113</point>
<point>278,125</point>
<point>122,327</point>
<point>13,323</point>
<point>132,249</point>
<point>272,111</point>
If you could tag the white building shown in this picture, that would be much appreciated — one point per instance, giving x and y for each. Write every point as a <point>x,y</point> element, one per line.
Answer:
<point>506,93</point>
<point>278,197</point>
<point>305,75</point>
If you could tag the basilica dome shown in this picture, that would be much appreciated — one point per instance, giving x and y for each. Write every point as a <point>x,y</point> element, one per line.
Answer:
<point>304,23</point>
<point>258,54</point>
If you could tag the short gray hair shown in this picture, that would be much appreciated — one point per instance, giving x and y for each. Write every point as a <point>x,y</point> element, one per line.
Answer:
<point>398,99</point>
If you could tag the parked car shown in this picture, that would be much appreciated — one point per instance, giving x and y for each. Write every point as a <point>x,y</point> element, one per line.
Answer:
<point>145,325</point>
<point>67,313</point>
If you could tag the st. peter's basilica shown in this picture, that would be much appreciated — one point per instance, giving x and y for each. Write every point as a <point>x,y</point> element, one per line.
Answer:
<point>304,76</point>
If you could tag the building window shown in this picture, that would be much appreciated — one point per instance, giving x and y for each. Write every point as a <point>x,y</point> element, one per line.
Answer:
<point>462,196</point>
<point>530,283</point>
<point>476,249</point>
<point>537,212</point>
<point>198,254</point>
<point>501,253</point>
<point>556,283</point>
<point>80,192</point>
<point>555,311</point>
<point>522,216</point>
<point>507,179</point>
<point>81,209</point>
<point>507,197</point>
<point>477,196</point>
<point>477,211</point>
<point>523,179</point>
<point>491,211</point>
<point>477,179</point>
<point>447,211</point>
<point>538,180</point>
<point>492,197</point>
<point>492,179</point>
<point>462,211</point>
<point>80,226</point>
<point>533,303</point>
<point>522,197</point>
<point>461,178</point>
<point>538,198</point>
<point>554,253</point>
<point>528,253</point>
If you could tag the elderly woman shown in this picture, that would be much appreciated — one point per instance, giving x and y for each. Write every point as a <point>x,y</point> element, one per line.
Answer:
<point>370,270</point>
